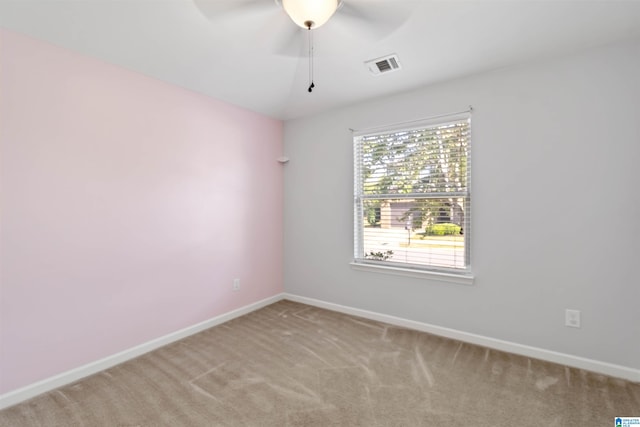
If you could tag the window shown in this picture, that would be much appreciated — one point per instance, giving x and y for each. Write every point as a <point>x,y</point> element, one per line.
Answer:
<point>412,196</point>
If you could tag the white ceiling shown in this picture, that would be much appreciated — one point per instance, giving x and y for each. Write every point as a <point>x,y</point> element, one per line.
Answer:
<point>244,51</point>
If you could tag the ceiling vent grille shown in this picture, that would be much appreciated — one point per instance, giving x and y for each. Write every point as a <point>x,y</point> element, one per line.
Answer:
<point>383,65</point>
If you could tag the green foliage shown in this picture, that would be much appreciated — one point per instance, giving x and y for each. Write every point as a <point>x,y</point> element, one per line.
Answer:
<point>446,229</point>
<point>373,214</point>
<point>379,256</point>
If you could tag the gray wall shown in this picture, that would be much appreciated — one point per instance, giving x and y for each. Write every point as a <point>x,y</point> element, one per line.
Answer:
<point>555,206</point>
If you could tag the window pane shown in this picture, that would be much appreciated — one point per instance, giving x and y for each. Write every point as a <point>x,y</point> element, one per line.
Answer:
<point>423,232</point>
<point>432,160</point>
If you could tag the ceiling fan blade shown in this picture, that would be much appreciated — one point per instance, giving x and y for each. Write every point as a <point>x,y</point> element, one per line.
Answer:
<point>289,41</point>
<point>375,20</point>
<point>233,9</point>
<point>279,35</point>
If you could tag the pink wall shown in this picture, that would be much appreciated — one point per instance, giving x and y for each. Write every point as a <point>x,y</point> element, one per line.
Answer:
<point>128,206</point>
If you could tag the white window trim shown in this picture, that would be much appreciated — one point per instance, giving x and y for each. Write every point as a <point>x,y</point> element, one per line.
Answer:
<point>459,278</point>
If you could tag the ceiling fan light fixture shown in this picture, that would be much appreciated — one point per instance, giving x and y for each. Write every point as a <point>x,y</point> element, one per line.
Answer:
<point>310,14</point>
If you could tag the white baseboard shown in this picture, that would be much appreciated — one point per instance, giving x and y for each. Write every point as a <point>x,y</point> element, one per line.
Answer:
<point>22,394</point>
<point>32,390</point>
<point>604,368</point>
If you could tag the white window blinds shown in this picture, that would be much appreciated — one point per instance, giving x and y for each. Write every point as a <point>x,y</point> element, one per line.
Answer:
<point>412,198</point>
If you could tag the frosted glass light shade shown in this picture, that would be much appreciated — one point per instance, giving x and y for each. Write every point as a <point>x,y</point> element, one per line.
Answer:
<point>317,12</point>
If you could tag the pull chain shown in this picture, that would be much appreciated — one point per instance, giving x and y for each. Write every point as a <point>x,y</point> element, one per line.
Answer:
<point>311,84</point>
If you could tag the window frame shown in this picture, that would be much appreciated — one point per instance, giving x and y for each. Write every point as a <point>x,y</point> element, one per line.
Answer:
<point>360,262</point>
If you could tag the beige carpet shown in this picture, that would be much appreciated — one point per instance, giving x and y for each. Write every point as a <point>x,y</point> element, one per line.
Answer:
<point>294,365</point>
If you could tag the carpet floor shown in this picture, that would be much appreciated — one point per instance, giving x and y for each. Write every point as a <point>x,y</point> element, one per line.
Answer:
<point>290,364</point>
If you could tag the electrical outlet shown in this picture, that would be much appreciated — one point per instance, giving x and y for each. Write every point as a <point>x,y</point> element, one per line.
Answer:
<point>236,284</point>
<point>572,318</point>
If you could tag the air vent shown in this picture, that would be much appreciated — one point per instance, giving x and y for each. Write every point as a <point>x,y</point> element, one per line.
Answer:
<point>386,64</point>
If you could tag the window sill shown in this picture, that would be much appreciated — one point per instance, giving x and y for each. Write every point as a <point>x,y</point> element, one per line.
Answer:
<point>462,279</point>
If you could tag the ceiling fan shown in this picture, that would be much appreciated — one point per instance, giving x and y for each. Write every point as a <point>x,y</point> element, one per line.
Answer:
<point>369,20</point>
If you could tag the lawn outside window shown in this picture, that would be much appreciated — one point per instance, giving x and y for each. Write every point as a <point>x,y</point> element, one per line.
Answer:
<point>412,198</point>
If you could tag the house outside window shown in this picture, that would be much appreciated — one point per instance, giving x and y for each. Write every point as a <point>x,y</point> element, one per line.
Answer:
<point>412,196</point>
